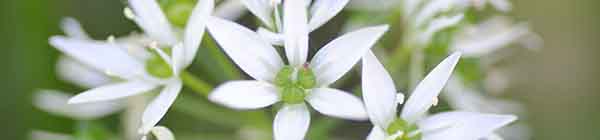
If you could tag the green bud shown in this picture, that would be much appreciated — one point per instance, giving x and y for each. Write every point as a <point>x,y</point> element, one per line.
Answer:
<point>158,67</point>
<point>179,12</point>
<point>283,77</point>
<point>306,78</point>
<point>398,125</point>
<point>292,95</point>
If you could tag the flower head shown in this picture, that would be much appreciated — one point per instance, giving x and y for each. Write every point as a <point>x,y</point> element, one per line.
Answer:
<point>296,82</point>
<point>413,123</point>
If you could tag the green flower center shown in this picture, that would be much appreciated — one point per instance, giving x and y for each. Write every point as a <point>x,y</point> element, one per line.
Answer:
<point>409,131</point>
<point>177,11</point>
<point>294,84</point>
<point>158,67</point>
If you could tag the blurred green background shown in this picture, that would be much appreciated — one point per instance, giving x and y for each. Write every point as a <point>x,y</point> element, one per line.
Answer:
<point>558,84</point>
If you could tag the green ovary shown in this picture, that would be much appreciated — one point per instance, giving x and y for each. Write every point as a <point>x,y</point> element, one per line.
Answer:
<point>294,84</point>
<point>400,125</point>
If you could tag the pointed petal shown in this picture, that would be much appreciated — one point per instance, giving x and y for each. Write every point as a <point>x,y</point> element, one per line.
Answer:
<point>153,21</point>
<point>195,28</point>
<point>162,133</point>
<point>428,90</point>
<point>230,10</point>
<point>337,103</point>
<point>462,125</point>
<point>248,50</point>
<point>262,9</point>
<point>55,102</point>
<point>324,10</point>
<point>178,58</point>
<point>379,91</point>
<point>438,25</point>
<point>159,106</point>
<point>73,29</point>
<point>295,26</point>
<point>245,94</point>
<point>112,91</point>
<point>291,122</point>
<point>340,55</point>
<point>433,8</point>
<point>79,74</point>
<point>376,134</point>
<point>105,57</point>
<point>271,37</point>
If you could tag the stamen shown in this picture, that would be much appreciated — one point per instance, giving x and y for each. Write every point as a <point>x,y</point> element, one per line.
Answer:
<point>400,98</point>
<point>110,39</point>
<point>129,13</point>
<point>435,101</point>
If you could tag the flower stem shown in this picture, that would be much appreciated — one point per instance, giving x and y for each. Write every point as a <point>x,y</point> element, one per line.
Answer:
<point>417,61</point>
<point>196,84</point>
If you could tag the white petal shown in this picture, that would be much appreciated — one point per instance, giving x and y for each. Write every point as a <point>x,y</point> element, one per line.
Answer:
<point>248,50</point>
<point>56,102</point>
<point>481,40</point>
<point>195,27</point>
<point>337,103</point>
<point>428,89</point>
<point>79,74</point>
<point>376,134</point>
<point>271,37</point>
<point>291,122</point>
<point>112,91</point>
<point>340,55</point>
<point>433,8</point>
<point>230,9</point>
<point>159,106</point>
<point>295,26</point>
<point>162,133</point>
<point>153,21</point>
<point>373,5</point>
<point>105,57</point>
<point>379,91</point>
<point>46,135</point>
<point>245,94</point>
<point>178,59</point>
<point>502,5</point>
<point>73,29</point>
<point>323,10</point>
<point>462,125</point>
<point>437,25</point>
<point>262,9</point>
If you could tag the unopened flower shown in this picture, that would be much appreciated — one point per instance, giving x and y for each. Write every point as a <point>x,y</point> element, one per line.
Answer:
<point>492,35</point>
<point>414,123</point>
<point>298,81</point>
<point>141,75</point>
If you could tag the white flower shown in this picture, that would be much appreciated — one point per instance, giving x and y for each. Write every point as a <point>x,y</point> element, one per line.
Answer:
<point>413,124</point>
<point>55,102</point>
<point>492,35</point>
<point>140,75</point>
<point>297,82</point>
<point>267,11</point>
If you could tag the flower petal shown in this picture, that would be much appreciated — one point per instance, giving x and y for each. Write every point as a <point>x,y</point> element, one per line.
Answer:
<point>162,133</point>
<point>337,103</point>
<point>501,5</point>
<point>338,57</point>
<point>376,134</point>
<point>437,25</point>
<point>105,57</point>
<point>291,122</point>
<point>73,29</point>
<point>245,94</point>
<point>159,106</point>
<point>112,91</point>
<point>379,91</point>
<point>295,28</point>
<point>462,125</point>
<point>194,30</point>
<point>433,8</point>
<point>248,50</point>
<point>262,9</point>
<point>428,90</point>
<point>230,9</point>
<point>56,102</point>
<point>153,21</point>
<point>178,58</point>
<point>271,37</point>
<point>79,74</point>
<point>323,10</point>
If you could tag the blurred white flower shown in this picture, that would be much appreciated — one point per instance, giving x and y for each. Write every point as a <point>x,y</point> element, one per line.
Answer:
<point>297,82</point>
<point>267,11</point>
<point>46,135</point>
<point>55,102</point>
<point>494,34</point>
<point>462,98</point>
<point>380,100</point>
<point>112,59</point>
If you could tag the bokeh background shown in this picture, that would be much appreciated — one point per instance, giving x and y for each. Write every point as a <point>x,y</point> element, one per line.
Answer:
<point>559,84</point>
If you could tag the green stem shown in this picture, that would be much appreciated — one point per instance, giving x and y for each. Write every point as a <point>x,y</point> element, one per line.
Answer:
<point>417,61</point>
<point>196,84</point>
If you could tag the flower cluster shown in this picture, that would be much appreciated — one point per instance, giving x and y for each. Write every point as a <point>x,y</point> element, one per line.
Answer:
<point>276,55</point>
